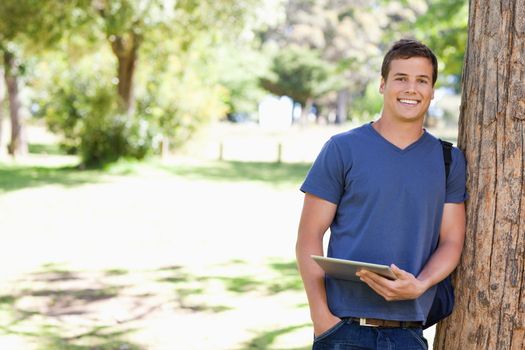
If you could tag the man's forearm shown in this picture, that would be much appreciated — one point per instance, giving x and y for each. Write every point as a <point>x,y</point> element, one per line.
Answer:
<point>312,276</point>
<point>441,264</point>
<point>447,255</point>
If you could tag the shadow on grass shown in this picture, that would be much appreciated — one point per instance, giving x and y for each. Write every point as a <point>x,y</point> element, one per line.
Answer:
<point>264,340</point>
<point>285,277</point>
<point>187,287</point>
<point>18,177</point>
<point>54,307</point>
<point>289,278</point>
<point>273,173</point>
<point>97,338</point>
<point>62,309</point>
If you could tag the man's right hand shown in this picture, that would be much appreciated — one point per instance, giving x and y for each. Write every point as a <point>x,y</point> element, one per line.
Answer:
<point>322,324</point>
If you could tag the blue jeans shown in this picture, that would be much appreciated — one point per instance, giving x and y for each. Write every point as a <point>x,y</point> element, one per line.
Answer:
<point>349,335</point>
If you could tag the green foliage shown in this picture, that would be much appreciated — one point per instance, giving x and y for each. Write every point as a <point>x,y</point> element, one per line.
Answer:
<point>106,136</point>
<point>198,60</point>
<point>239,73</point>
<point>85,111</point>
<point>300,74</point>
<point>38,23</point>
<point>364,107</point>
<point>444,28</point>
<point>12,13</point>
<point>442,25</point>
<point>178,98</point>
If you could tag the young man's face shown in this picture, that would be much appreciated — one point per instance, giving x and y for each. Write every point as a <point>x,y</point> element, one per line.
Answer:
<point>408,89</point>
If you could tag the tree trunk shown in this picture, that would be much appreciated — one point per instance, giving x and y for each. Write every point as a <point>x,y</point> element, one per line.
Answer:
<point>342,106</point>
<point>2,97</point>
<point>489,283</point>
<point>305,111</point>
<point>125,48</point>
<point>17,145</point>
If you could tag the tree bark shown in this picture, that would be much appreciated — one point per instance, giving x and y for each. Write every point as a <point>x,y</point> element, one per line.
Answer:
<point>342,106</point>
<point>305,111</point>
<point>2,96</point>
<point>125,49</point>
<point>489,283</point>
<point>17,145</point>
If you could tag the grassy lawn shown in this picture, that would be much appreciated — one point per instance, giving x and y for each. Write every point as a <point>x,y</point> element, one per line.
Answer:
<point>151,256</point>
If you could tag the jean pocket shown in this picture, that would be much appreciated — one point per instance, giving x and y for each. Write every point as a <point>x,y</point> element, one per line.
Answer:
<point>329,331</point>
<point>418,335</point>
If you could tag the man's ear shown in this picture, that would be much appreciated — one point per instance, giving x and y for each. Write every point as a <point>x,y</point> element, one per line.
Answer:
<point>382,87</point>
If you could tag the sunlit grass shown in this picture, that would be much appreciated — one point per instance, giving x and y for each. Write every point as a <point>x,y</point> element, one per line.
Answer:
<point>57,307</point>
<point>55,291</point>
<point>15,177</point>
<point>276,174</point>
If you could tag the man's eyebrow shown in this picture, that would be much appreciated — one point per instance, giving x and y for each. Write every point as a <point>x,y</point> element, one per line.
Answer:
<point>405,75</point>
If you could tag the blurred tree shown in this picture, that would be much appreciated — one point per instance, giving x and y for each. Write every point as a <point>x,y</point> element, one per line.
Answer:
<point>128,23</point>
<point>162,101</point>
<point>2,98</point>
<point>239,71</point>
<point>349,34</point>
<point>13,14</point>
<point>26,26</point>
<point>444,28</point>
<point>18,143</point>
<point>302,75</point>
<point>86,112</point>
<point>179,91</point>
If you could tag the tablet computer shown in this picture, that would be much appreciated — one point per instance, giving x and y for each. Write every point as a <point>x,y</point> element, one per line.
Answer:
<point>346,269</point>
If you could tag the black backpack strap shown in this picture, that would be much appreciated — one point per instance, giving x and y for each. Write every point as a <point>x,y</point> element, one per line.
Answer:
<point>447,156</point>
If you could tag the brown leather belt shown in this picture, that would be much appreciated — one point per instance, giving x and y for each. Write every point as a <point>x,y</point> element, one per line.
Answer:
<point>374,322</point>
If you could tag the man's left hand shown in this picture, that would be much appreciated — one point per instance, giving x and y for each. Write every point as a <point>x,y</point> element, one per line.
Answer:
<point>405,287</point>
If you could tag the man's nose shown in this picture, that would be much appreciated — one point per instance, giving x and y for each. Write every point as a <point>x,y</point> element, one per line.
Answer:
<point>411,86</point>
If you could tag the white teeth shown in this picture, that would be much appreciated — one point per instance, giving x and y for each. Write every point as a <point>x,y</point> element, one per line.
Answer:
<point>410,102</point>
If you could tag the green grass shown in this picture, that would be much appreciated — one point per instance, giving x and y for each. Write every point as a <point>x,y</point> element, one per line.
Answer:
<point>56,289</point>
<point>97,338</point>
<point>278,174</point>
<point>41,148</point>
<point>17,177</point>
<point>264,340</point>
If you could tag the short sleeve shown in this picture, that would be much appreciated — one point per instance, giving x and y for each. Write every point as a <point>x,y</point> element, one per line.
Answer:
<point>326,176</point>
<point>456,183</point>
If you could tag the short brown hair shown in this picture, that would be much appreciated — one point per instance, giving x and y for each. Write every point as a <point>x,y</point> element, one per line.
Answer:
<point>408,48</point>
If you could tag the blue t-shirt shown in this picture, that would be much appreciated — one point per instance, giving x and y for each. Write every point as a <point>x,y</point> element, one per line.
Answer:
<point>389,209</point>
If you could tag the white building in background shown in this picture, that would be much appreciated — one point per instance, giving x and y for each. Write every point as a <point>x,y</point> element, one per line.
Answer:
<point>276,113</point>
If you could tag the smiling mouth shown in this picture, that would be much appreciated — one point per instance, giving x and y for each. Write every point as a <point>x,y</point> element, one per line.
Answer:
<point>408,102</point>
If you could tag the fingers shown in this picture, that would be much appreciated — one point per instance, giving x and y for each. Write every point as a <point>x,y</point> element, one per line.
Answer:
<point>401,274</point>
<point>379,284</point>
<point>401,289</point>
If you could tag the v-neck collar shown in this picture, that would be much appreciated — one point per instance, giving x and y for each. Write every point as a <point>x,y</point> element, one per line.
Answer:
<point>390,144</point>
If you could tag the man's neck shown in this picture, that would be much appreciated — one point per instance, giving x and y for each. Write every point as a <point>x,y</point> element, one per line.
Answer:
<point>401,135</point>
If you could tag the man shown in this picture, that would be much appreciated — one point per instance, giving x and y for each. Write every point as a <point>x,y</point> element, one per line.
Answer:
<point>382,191</point>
